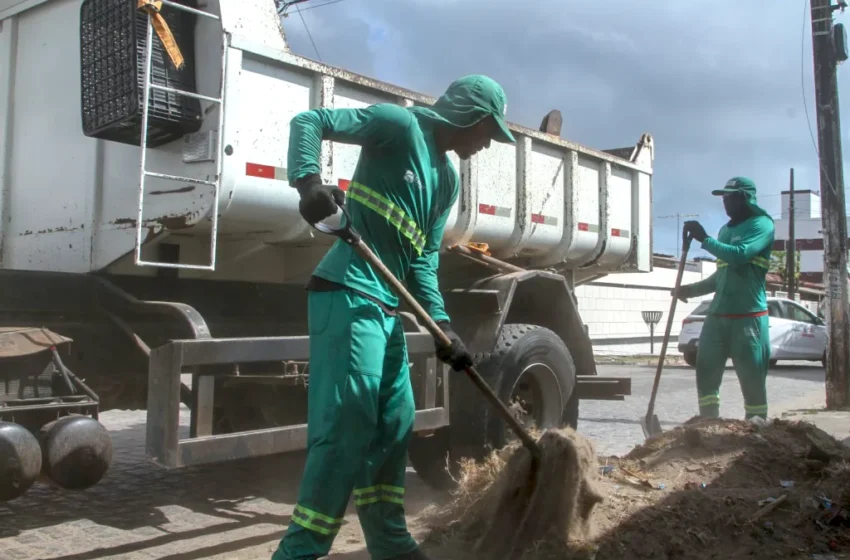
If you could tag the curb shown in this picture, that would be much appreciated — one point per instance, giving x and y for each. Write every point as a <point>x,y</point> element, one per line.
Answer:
<point>812,401</point>
<point>638,359</point>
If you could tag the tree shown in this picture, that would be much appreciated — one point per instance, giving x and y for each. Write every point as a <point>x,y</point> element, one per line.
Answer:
<point>778,265</point>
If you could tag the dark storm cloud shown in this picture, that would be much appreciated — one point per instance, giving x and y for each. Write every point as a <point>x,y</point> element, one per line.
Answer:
<point>717,83</point>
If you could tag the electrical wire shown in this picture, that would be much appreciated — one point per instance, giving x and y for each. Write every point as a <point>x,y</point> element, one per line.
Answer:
<point>283,6</point>
<point>310,35</point>
<point>314,6</point>
<point>805,102</point>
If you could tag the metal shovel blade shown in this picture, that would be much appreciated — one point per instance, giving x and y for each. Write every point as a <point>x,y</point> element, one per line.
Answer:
<point>651,426</point>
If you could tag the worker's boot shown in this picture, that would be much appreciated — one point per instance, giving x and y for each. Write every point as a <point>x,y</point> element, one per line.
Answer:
<point>415,555</point>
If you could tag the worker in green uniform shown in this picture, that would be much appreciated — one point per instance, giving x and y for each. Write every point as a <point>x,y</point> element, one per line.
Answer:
<point>360,403</point>
<point>736,324</point>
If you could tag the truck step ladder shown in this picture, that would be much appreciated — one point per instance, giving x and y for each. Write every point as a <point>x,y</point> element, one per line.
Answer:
<point>145,173</point>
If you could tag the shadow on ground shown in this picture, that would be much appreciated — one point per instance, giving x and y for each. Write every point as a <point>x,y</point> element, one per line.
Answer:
<point>139,506</point>
<point>814,372</point>
<point>156,504</point>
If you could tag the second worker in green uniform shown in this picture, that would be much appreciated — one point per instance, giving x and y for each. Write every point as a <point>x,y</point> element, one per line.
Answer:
<point>736,324</point>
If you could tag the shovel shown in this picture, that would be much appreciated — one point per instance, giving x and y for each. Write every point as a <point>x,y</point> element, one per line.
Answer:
<point>650,423</point>
<point>347,234</point>
<point>536,479</point>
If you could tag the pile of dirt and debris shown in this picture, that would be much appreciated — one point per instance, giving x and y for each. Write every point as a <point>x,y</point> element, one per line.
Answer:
<point>497,496</point>
<point>708,489</point>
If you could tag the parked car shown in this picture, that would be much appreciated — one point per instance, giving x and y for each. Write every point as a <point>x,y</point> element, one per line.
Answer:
<point>795,332</point>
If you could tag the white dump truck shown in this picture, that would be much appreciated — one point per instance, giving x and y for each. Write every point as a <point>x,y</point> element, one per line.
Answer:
<point>152,255</point>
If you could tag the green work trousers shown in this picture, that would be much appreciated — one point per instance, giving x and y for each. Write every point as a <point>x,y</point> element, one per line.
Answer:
<point>747,341</point>
<point>359,422</point>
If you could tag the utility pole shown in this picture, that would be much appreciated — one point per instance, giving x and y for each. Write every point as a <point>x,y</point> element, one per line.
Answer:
<point>678,217</point>
<point>827,53</point>
<point>791,246</point>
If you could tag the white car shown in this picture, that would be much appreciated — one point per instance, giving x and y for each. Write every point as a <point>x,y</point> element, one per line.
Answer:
<point>795,332</point>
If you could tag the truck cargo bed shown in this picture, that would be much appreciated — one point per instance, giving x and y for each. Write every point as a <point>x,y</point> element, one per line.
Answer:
<point>545,201</point>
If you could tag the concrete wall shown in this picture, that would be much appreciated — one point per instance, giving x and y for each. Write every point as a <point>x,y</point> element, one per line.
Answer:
<point>612,307</point>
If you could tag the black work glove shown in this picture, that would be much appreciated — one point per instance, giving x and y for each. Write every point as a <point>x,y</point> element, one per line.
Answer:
<point>456,355</point>
<point>695,230</point>
<point>318,201</point>
<point>679,294</point>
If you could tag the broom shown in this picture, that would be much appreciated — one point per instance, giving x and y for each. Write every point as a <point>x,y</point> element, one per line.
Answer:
<point>522,514</point>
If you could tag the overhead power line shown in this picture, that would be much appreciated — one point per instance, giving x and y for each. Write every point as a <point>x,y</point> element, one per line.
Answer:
<point>283,7</point>
<point>310,35</point>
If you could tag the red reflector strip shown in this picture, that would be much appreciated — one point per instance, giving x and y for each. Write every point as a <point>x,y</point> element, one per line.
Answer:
<point>687,321</point>
<point>591,228</point>
<point>262,171</point>
<point>493,210</point>
<point>545,220</point>
<point>343,184</point>
<point>265,171</point>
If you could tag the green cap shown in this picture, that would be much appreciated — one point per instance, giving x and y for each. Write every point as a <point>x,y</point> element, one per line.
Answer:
<point>737,184</point>
<point>745,186</point>
<point>471,99</point>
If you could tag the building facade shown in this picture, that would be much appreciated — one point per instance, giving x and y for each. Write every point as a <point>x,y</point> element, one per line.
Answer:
<point>808,231</point>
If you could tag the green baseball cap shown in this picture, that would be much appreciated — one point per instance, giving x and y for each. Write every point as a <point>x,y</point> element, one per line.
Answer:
<point>742,185</point>
<point>745,186</point>
<point>470,99</point>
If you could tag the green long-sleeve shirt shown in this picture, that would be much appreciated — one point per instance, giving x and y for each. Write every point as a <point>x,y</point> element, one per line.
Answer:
<point>399,198</point>
<point>743,259</point>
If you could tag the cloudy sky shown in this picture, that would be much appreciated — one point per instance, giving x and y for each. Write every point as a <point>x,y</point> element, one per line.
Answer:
<point>718,83</point>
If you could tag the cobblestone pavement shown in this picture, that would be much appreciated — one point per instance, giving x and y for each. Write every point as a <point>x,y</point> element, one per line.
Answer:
<point>239,510</point>
<point>140,511</point>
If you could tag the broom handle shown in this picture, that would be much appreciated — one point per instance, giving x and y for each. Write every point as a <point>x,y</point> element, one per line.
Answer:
<point>686,244</point>
<point>347,234</point>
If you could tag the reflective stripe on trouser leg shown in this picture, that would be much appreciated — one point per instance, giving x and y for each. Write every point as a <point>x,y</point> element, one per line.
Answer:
<point>315,521</point>
<point>751,357</point>
<point>712,353</point>
<point>379,493</point>
<point>379,489</point>
<point>348,336</point>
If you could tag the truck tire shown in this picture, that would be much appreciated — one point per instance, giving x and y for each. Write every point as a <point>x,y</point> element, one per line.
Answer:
<point>690,358</point>
<point>532,370</point>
